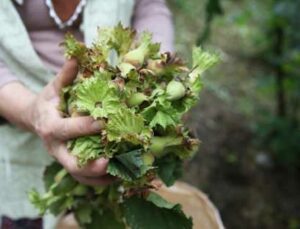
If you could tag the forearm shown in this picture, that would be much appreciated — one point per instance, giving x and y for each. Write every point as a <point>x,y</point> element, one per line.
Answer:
<point>155,17</point>
<point>15,100</point>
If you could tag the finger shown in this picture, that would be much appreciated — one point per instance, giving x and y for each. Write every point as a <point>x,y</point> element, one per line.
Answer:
<point>94,168</point>
<point>67,74</point>
<point>68,128</point>
<point>104,180</point>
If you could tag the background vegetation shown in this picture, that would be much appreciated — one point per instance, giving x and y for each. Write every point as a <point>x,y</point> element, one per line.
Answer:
<point>248,117</point>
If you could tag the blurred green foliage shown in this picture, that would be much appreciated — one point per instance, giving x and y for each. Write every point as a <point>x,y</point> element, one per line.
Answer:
<point>248,115</point>
<point>272,37</point>
<point>281,136</point>
<point>280,132</point>
<point>213,8</point>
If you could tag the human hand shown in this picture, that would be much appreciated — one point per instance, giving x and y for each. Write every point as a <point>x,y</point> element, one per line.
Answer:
<point>46,121</point>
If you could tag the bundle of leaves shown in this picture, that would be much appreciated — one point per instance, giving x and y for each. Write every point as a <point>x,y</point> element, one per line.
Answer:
<point>139,95</point>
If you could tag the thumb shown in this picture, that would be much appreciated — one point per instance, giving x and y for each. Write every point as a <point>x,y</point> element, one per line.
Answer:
<point>67,75</point>
<point>96,168</point>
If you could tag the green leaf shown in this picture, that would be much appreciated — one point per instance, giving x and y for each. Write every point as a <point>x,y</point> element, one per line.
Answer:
<point>152,49</point>
<point>163,119</point>
<point>83,213</point>
<point>64,186</point>
<point>117,38</point>
<point>117,169</point>
<point>169,169</point>
<point>95,96</point>
<point>149,112</point>
<point>106,220</point>
<point>128,166</point>
<point>50,173</point>
<point>160,202</point>
<point>128,126</point>
<point>86,149</point>
<point>185,104</point>
<point>59,204</point>
<point>89,60</point>
<point>38,202</point>
<point>161,112</point>
<point>65,100</point>
<point>197,86</point>
<point>154,214</point>
<point>74,48</point>
<point>121,39</point>
<point>201,61</point>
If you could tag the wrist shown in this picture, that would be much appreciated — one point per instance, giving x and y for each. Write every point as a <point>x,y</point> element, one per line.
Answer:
<point>27,119</point>
<point>16,103</point>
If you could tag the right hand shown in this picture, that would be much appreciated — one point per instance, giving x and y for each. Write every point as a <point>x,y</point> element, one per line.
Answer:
<point>45,120</point>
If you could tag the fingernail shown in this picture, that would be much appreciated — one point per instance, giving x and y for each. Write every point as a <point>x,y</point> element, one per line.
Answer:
<point>102,163</point>
<point>96,126</point>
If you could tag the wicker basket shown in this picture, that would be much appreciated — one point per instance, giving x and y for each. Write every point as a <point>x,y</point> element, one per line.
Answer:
<point>194,202</point>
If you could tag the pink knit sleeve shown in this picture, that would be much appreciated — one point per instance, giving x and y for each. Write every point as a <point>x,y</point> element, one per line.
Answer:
<point>6,76</point>
<point>155,17</point>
